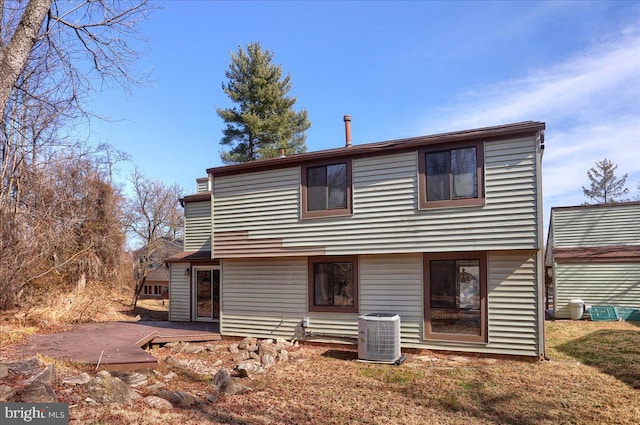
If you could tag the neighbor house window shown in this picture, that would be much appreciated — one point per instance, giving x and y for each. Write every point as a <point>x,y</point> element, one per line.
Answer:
<point>333,284</point>
<point>326,189</point>
<point>455,296</point>
<point>452,176</point>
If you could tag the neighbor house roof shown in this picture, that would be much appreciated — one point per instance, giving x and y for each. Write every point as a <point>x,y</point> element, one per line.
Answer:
<point>160,274</point>
<point>190,256</point>
<point>487,133</point>
<point>589,206</point>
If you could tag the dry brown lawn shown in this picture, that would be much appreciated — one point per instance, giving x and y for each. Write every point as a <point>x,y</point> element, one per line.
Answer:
<point>592,377</point>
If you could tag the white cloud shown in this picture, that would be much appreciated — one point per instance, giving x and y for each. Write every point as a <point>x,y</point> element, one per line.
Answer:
<point>590,103</point>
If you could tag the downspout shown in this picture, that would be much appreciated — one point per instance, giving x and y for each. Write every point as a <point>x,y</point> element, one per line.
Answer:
<point>539,253</point>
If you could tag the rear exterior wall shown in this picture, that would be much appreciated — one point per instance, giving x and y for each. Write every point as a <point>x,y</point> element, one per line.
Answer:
<point>258,214</point>
<point>267,297</point>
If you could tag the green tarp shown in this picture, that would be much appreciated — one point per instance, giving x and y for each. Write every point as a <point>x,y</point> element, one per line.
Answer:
<point>607,313</point>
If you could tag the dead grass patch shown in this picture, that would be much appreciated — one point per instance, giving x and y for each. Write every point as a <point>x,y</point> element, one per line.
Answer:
<point>324,384</point>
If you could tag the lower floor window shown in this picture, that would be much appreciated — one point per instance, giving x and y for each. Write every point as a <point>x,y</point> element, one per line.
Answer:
<point>333,284</point>
<point>152,289</point>
<point>455,296</point>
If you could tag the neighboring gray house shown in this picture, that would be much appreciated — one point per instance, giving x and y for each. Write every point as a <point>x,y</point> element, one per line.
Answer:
<point>593,253</point>
<point>445,230</point>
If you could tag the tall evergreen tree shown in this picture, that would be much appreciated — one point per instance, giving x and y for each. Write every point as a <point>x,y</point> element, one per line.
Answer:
<point>605,188</point>
<point>263,121</point>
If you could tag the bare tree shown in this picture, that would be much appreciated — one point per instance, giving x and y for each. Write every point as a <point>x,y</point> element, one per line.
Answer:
<point>66,229</point>
<point>79,35</point>
<point>59,211</point>
<point>605,187</point>
<point>153,215</point>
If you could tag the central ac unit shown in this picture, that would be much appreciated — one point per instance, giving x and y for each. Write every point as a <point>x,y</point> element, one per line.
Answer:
<point>379,337</point>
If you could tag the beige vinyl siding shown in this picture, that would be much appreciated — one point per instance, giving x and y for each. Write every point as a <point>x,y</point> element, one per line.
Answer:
<point>596,284</point>
<point>179,293</point>
<point>596,226</point>
<point>385,217</point>
<point>202,184</point>
<point>393,284</point>
<point>268,298</point>
<point>263,297</point>
<point>197,226</point>
<point>513,303</point>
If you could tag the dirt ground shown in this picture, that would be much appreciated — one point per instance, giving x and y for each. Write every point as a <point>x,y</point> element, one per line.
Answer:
<point>592,377</point>
<point>151,309</point>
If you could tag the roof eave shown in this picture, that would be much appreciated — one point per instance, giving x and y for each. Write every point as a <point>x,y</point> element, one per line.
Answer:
<point>512,130</point>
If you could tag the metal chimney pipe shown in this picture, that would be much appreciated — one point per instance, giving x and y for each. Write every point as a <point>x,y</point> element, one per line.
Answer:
<point>347,130</point>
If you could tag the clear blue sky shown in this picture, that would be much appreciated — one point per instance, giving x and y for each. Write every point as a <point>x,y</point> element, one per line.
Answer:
<point>400,69</point>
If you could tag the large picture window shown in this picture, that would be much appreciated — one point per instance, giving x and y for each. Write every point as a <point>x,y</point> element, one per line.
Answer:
<point>333,284</point>
<point>451,176</point>
<point>326,189</point>
<point>455,296</point>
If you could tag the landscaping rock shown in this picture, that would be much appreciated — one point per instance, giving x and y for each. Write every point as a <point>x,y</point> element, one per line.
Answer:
<point>233,387</point>
<point>233,348</point>
<point>193,349</point>
<point>105,388</point>
<point>132,379</point>
<point>81,379</point>
<point>283,356</point>
<point>171,361</point>
<point>6,392</point>
<point>158,402</point>
<point>268,360</point>
<point>268,349</point>
<point>250,341</point>
<point>212,397</point>
<point>39,392</point>
<point>170,376</point>
<point>155,387</point>
<point>4,371</point>
<point>27,367</point>
<point>240,356</point>
<point>180,398</point>
<point>248,368</point>
<point>221,378</point>
<point>255,356</point>
<point>46,376</point>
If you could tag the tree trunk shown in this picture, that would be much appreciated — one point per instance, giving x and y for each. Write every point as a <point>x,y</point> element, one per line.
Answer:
<point>14,57</point>
<point>82,283</point>
<point>138,290</point>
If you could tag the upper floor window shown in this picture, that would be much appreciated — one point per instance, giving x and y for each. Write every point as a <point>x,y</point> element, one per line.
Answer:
<point>326,189</point>
<point>451,177</point>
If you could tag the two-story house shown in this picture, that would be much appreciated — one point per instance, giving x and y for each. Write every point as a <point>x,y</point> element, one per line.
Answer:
<point>444,230</point>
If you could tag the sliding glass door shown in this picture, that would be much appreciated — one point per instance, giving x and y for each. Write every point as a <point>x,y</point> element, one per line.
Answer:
<point>206,293</point>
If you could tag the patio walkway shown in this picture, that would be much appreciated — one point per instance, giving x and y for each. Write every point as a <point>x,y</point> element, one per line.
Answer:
<point>117,345</point>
